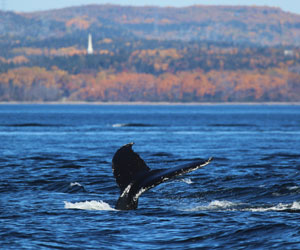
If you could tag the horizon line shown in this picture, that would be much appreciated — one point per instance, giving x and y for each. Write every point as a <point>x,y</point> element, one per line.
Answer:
<point>154,6</point>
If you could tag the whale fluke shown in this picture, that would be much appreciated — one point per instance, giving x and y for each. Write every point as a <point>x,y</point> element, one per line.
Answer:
<point>134,177</point>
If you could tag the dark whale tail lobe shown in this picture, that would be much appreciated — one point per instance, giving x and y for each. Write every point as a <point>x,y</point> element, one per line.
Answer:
<point>134,177</point>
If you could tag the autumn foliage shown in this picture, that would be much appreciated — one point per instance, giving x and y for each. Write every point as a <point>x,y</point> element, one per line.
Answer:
<point>38,84</point>
<point>193,54</point>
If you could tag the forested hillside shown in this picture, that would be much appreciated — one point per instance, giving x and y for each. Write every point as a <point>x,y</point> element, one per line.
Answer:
<point>199,53</point>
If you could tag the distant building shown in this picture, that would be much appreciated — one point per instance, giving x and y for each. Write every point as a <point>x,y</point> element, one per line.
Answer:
<point>90,50</point>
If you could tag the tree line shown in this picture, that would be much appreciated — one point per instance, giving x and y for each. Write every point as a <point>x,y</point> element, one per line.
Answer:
<point>139,70</point>
<point>38,84</point>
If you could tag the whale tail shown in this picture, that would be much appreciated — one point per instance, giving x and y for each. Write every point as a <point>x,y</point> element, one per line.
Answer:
<point>134,177</point>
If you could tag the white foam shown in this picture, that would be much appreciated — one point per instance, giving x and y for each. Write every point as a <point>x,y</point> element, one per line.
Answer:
<point>72,184</point>
<point>221,204</point>
<point>215,205</point>
<point>89,205</point>
<point>279,207</point>
<point>295,205</point>
<point>187,180</point>
<point>224,205</point>
<point>119,125</point>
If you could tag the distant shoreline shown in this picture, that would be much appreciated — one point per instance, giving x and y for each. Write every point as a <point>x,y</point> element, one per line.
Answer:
<point>151,103</point>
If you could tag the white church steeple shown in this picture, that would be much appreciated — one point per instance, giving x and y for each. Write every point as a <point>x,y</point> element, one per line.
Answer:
<point>90,45</point>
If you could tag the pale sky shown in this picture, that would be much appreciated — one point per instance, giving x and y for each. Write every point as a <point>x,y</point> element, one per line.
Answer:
<point>33,5</point>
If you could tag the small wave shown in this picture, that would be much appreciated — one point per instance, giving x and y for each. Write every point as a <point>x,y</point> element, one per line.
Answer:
<point>38,158</point>
<point>31,125</point>
<point>162,154</point>
<point>295,206</point>
<point>232,206</point>
<point>221,204</point>
<point>187,180</point>
<point>120,125</point>
<point>231,125</point>
<point>294,188</point>
<point>71,188</point>
<point>72,166</point>
<point>281,156</point>
<point>184,160</point>
<point>89,205</point>
<point>72,184</point>
<point>215,205</point>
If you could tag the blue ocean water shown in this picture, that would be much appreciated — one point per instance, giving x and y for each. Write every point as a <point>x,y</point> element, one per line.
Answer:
<point>57,190</point>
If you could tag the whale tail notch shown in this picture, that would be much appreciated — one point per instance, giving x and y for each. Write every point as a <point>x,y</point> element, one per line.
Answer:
<point>134,177</point>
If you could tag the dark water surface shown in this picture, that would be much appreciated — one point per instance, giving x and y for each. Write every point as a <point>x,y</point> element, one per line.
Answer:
<point>57,190</point>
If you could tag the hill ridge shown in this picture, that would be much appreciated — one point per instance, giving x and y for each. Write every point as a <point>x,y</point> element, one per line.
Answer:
<point>266,26</point>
